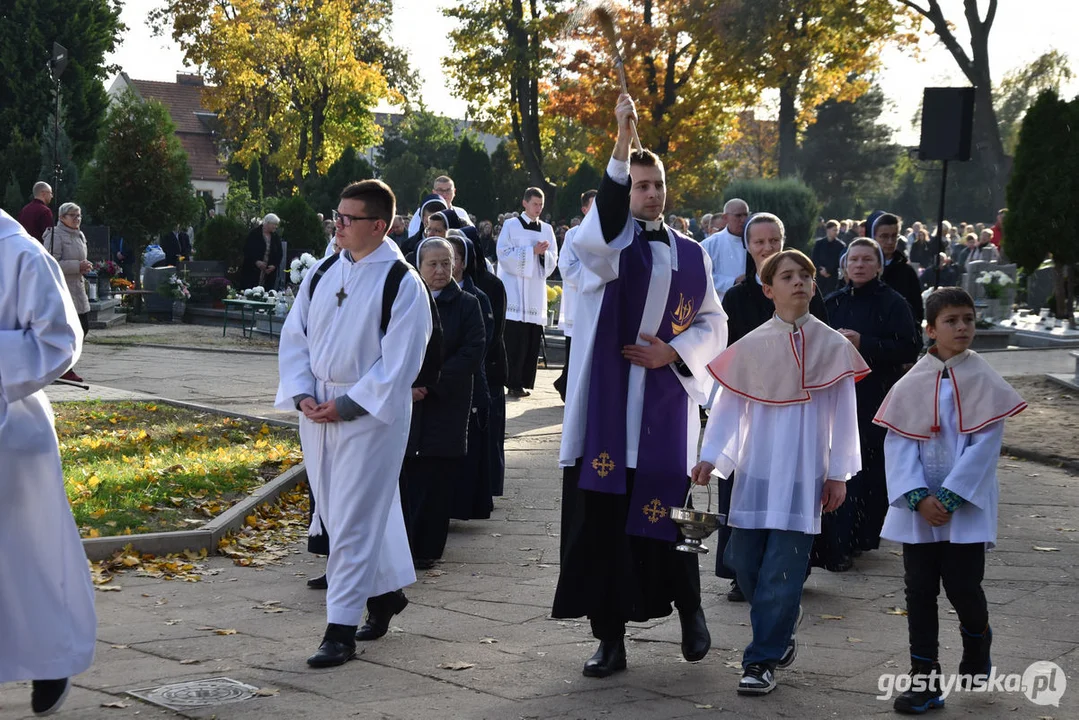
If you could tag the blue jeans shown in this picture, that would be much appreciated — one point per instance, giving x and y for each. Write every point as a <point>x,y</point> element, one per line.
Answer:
<point>770,566</point>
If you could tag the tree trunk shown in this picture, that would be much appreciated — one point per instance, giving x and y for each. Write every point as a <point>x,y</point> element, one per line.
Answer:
<point>524,97</point>
<point>788,130</point>
<point>988,149</point>
<point>318,120</point>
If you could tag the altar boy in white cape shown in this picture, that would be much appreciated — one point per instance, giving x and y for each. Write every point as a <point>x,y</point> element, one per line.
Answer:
<point>353,387</point>
<point>647,322</point>
<point>945,421</point>
<point>785,423</point>
<point>47,620</point>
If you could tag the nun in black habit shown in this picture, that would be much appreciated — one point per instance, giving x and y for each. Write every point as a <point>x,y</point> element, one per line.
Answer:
<point>878,321</point>
<point>747,309</point>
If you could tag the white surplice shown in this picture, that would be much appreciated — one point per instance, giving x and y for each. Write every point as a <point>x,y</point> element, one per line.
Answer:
<point>782,454</point>
<point>705,338</point>
<point>47,619</point>
<point>569,267</point>
<point>328,350</point>
<point>523,272</point>
<point>965,463</point>
<point>728,259</point>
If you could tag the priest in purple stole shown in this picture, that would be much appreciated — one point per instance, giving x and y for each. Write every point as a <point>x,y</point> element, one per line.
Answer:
<point>648,321</point>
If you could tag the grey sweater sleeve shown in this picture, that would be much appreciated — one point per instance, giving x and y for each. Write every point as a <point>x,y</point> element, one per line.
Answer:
<point>348,408</point>
<point>297,399</point>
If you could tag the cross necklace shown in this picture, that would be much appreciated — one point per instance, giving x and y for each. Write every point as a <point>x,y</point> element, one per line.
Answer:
<point>341,294</point>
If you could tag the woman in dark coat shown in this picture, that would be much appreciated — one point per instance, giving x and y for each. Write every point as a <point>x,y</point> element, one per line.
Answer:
<point>437,442</point>
<point>472,493</point>
<point>262,255</point>
<point>747,309</point>
<point>877,320</point>
<point>495,363</point>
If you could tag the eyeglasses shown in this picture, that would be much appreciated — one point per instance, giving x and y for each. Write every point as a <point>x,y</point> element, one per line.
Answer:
<point>345,220</point>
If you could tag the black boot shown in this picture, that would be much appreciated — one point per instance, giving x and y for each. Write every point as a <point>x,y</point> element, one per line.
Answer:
<point>735,594</point>
<point>924,694</point>
<point>976,658</point>
<point>337,648</point>
<point>696,640</point>
<point>379,612</point>
<point>609,659</point>
<point>48,695</point>
<point>318,583</point>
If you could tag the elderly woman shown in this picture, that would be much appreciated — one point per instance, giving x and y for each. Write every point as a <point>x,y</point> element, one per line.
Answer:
<point>67,244</point>
<point>437,442</point>
<point>262,255</point>
<point>878,321</point>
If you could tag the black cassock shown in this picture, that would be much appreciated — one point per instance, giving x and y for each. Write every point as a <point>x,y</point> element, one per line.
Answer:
<point>747,309</point>
<point>889,340</point>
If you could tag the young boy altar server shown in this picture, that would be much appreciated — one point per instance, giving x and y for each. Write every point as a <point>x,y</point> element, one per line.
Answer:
<point>785,423</point>
<point>945,421</point>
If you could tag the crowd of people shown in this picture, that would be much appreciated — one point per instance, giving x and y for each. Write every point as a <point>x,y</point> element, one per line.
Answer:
<point>827,427</point>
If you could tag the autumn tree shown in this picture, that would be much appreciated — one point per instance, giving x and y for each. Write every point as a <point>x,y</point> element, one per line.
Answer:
<point>681,80</point>
<point>502,52</point>
<point>989,158</point>
<point>294,81</point>
<point>808,50</point>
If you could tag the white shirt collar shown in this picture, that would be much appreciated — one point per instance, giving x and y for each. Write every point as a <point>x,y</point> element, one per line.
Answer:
<point>651,224</point>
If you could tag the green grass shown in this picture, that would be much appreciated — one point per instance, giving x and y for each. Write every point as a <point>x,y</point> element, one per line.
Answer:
<point>134,467</point>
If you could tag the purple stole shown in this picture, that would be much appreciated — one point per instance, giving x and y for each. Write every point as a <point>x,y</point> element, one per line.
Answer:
<point>660,480</point>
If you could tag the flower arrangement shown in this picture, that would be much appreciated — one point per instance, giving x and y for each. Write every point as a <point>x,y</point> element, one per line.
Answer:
<point>259,294</point>
<point>107,268</point>
<point>218,288</point>
<point>118,283</point>
<point>554,292</point>
<point>175,288</point>
<point>994,282</point>
<point>299,267</point>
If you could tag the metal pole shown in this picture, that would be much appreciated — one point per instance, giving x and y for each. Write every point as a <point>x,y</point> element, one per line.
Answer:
<point>56,152</point>
<point>940,227</point>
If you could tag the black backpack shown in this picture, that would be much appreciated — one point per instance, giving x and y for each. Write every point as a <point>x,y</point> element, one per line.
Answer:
<point>432,357</point>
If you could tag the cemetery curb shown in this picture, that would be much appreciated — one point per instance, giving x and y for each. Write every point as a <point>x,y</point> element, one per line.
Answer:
<point>188,348</point>
<point>1041,458</point>
<point>207,536</point>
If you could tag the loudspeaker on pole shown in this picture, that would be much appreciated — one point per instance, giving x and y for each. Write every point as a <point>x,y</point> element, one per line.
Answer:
<point>947,123</point>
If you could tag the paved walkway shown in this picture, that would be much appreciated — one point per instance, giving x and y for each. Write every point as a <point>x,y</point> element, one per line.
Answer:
<point>486,608</point>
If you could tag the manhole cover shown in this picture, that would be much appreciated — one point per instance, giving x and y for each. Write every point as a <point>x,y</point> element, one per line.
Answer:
<point>197,693</point>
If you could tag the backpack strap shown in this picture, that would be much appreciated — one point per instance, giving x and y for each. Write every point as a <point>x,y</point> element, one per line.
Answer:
<point>320,271</point>
<point>389,291</point>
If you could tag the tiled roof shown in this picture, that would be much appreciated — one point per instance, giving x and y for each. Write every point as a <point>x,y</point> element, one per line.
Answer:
<point>201,156</point>
<point>183,101</point>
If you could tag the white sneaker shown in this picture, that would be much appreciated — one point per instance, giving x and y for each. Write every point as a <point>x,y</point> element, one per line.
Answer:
<point>792,645</point>
<point>757,679</point>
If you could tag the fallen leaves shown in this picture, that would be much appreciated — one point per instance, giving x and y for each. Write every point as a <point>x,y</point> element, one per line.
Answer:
<point>456,665</point>
<point>190,662</point>
<point>225,631</point>
<point>895,611</point>
<point>269,531</point>
<point>1039,548</point>
<point>854,640</point>
<point>831,617</point>
<point>267,692</point>
<point>185,566</point>
<point>116,705</point>
<point>488,641</point>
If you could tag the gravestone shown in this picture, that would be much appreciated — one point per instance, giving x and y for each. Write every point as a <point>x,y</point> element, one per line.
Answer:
<point>97,242</point>
<point>199,273</point>
<point>1039,288</point>
<point>977,291</point>
<point>157,305</point>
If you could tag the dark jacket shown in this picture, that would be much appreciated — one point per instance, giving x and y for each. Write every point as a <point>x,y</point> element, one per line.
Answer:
<point>255,250</point>
<point>826,254</point>
<point>440,421</point>
<point>747,308</point>
<point>176,245</point>
<point>481,392</point>
<point>36,217</point>
<point>901,277</point>
<point>921,254</point>
<point>488,282</point>
<point>889,340</point>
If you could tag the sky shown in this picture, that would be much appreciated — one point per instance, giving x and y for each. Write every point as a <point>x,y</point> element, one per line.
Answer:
<point>1023,30</point>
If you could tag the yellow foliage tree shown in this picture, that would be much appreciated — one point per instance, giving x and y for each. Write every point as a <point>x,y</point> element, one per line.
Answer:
<point>687,92</point>
<point>294,80</point>
<point>810,51</point>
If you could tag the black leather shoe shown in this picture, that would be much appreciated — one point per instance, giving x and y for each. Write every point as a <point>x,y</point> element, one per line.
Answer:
<point>332,653</point>
<point>318,583</point>
<point>609,659</point>
<point>560,386</point>
<point>48,695</point>
<point>380,610</point>
<point>735,594</point>
<point>696,641</point>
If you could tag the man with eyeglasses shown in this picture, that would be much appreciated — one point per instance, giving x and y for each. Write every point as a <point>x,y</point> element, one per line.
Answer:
<point>726,247</point>
<point>898,273</point>
<point>352,385</point>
